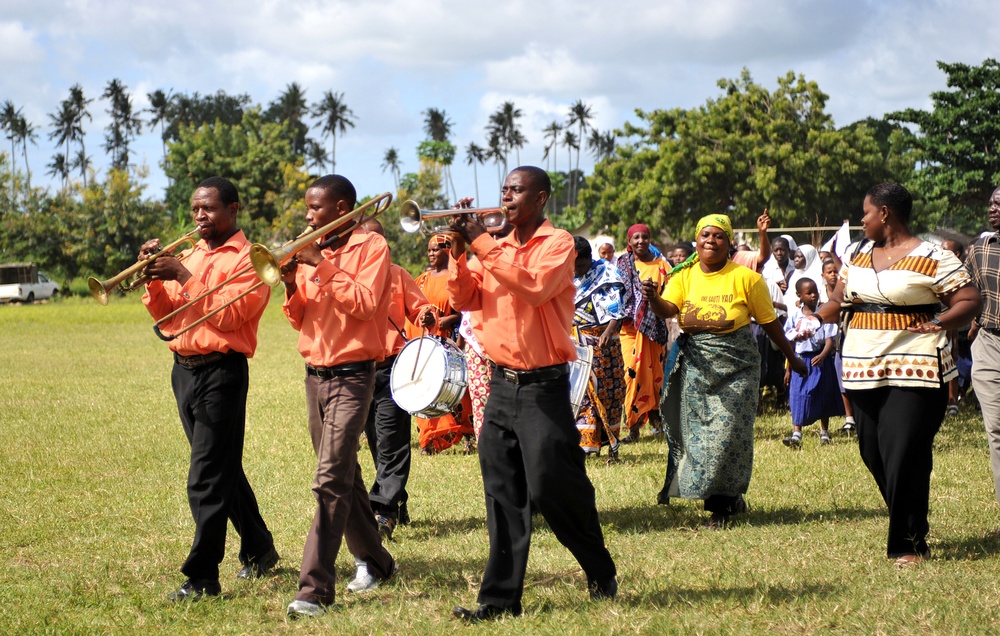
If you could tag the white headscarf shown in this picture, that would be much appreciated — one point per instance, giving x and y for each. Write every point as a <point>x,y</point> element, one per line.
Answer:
<point>813,271</point>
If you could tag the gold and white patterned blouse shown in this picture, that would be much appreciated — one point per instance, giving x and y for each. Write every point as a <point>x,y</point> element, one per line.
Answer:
<point>878,350</point>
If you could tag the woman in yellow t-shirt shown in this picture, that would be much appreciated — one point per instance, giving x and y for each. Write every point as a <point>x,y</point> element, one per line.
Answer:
<point>710,400</point>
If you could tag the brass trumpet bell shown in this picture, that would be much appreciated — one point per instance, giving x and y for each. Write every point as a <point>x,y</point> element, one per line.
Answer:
<point>413,219</point>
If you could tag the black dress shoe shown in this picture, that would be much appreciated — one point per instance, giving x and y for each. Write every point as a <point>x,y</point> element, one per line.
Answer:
<point>604,589</point>
<point>404,515</point>
<point>484,613</point>
<point>195,591</point>
<point>260,567</point>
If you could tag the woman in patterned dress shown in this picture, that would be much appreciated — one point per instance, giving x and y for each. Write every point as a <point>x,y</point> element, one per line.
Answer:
<point>643,333</point>
<point>897,359</point>
<point>597,320</point>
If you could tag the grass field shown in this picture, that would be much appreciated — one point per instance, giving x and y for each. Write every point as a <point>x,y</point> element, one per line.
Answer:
<point>94,522</point>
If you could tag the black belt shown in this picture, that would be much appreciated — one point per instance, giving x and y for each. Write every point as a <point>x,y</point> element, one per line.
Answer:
<point>387,362</point>
<point>878,308</point>
<point>531,375</point>
<point>193,362</point>
<point>992,330</point>
<point>348,368</point>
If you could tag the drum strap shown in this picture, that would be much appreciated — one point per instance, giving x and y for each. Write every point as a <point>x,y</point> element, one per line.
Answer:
<point>398,330</point>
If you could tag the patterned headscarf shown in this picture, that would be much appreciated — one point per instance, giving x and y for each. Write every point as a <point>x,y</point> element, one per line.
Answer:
<point>440,240</point>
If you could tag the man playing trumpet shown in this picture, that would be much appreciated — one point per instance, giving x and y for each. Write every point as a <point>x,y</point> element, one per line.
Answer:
<point>529,447</point>
<point>210,381</point>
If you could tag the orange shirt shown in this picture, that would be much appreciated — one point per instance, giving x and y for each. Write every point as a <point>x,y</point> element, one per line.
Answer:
<point>525,293</point>
<point>235,327</point>
<point>340,307</point>
<point>406,303</point>
<point>434,287</point>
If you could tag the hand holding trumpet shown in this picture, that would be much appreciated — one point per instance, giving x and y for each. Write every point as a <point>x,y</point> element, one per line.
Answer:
<point>166,267</point>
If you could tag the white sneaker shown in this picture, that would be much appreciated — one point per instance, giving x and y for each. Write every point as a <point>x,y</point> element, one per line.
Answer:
<point>297,609</point>
<point>363,580</point>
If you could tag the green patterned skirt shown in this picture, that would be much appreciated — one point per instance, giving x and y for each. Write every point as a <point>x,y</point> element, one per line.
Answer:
<point>709,404</point>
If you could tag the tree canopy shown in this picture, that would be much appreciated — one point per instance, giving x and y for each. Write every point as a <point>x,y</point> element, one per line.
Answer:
<point>959,144</point>
<point>744,151</point>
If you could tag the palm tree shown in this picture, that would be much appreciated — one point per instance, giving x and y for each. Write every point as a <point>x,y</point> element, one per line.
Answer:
<point>552,134</point>
<point>579,113</point>
<point>316,156</point>
<point>79,104</point>
<point>59,167</point>
<point>602,145</point>
<point>64,126</point>
<point>159,110</point>
<point>124,126</point>
<point>475,155</point>
<point>570,141</point>
<point>495,152</point>
<point>391,162</point>
<point>503,124</point>
<point>336,117</point>
<point>291,107</point>
<point>438,129</point>
<point>437,125</point>
<point>82,162</point>
<point>25,132</point>
<point>8,123</point>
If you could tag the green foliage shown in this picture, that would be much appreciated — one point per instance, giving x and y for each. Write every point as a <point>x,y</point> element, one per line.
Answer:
<point>959,144</point>
<point>255,154</point>
<point>747,150</point>
<point>93,230</point>
<point>195,109</point>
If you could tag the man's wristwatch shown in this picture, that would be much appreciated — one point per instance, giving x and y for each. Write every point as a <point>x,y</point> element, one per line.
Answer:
<point>935,320</point>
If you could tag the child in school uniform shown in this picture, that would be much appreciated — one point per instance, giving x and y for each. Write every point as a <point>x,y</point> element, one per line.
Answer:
<point>831,275</point>
<point>816,396</point>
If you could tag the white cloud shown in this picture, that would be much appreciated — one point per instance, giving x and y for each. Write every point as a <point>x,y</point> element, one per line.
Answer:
<point>19,45</point>
<point>543,70</point>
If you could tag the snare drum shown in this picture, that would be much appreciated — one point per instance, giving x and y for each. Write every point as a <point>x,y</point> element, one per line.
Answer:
<point>431,383</point>
<point>579,377</point>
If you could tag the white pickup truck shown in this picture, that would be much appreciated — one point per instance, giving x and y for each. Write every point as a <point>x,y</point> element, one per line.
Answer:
<point>24,283</point>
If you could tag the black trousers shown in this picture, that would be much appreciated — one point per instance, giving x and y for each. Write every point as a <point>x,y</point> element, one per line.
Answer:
<point>388,433</point>
<point>211,400</point>
<point>896,428</point>
<point>530,456</point>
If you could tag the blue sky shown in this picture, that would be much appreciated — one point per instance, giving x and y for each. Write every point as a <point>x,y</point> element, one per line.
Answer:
<point>393,59</point>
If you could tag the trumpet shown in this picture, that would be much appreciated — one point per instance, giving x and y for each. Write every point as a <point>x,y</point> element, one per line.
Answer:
<point>413,219</point>
<point>266,264</point>
<point>100,289</point>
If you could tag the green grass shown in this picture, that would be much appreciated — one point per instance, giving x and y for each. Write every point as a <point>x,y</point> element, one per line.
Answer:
<point>94,522</point>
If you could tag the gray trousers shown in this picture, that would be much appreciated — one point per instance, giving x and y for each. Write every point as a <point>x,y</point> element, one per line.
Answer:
<point>986,382</point>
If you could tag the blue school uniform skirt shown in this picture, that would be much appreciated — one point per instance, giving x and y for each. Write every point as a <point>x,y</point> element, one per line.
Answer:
<point>818,394</point>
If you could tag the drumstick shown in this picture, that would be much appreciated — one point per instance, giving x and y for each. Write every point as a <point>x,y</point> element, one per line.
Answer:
<point>423,330</point>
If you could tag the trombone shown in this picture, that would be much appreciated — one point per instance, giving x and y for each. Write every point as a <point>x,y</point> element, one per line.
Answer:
<point>266,264</point>
<point>413,219</point>
<point>100,289</point>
